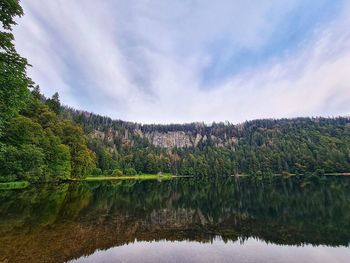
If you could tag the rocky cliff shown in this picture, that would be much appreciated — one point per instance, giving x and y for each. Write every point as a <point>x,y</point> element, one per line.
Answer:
<point>165,139</point>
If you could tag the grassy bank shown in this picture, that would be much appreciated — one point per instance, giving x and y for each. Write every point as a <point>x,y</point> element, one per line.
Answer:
<point>130,177</point>
<point>14,185</point>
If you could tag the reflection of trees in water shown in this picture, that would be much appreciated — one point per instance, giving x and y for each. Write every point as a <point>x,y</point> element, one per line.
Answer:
<point>80,218</point>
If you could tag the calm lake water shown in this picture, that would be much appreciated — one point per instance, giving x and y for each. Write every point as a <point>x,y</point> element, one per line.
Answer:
<point>181,220</point>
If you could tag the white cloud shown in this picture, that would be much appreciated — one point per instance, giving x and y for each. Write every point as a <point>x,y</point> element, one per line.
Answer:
<point>144,60</point>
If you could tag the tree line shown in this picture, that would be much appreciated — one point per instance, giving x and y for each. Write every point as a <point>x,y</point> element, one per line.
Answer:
<point>297,146</point>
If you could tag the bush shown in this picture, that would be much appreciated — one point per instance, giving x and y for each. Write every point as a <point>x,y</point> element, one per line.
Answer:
<point>130,171</point>
<point>97,171</point>
<point>117,172</point>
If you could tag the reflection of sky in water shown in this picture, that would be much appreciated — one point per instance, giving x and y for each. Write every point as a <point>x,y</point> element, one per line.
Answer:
<point>250,251</point>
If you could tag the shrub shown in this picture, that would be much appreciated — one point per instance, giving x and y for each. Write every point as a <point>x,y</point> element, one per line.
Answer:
<point>97,171</point>
<point>117,172</point>
<point>130,171</point>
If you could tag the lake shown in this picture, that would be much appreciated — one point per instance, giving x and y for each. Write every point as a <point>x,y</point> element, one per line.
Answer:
<point>182,220</point>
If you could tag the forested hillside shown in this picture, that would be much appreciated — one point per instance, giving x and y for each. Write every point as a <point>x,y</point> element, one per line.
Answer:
<point>301,145</point>
<point>41,140</point>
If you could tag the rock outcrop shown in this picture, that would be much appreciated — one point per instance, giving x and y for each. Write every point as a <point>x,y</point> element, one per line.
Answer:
<point>167,140</point>
<point>171,139</point>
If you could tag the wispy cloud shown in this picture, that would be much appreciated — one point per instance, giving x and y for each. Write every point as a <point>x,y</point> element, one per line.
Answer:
<point>191,60</point>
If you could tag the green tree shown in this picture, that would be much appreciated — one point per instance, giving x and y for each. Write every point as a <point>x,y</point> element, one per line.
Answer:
<point>117,172</point>
<point>23,130</point>
<point>54,103</point>
<point>14,81</point>
<point>32,161</point>
<point>130,171</point>
<point>82,159</point>
<point>57,158</point>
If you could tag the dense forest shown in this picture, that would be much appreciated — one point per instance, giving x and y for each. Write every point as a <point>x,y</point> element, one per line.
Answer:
<point>35,144</point>
<point>297,146</point>
<point>41,140</point>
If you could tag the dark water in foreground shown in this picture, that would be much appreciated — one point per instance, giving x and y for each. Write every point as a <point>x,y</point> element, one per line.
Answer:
<point>183,220</point>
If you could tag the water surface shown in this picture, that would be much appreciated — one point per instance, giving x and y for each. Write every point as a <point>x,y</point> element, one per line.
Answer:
<point>182,220</point>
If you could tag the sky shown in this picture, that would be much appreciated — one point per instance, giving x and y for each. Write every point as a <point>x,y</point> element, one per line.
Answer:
<point>165,61</point>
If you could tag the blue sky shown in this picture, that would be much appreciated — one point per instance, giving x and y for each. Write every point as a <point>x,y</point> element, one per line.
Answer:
<point>162,61</point>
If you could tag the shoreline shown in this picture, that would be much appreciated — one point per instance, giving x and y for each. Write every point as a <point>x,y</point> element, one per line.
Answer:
<point>127,177</point>
<point>24,184</point>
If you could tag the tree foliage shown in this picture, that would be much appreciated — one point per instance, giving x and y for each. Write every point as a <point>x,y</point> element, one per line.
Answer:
<point>293,146</point>
<point>14,81</point>
<point>35,144</point>
<point>38,146</point>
